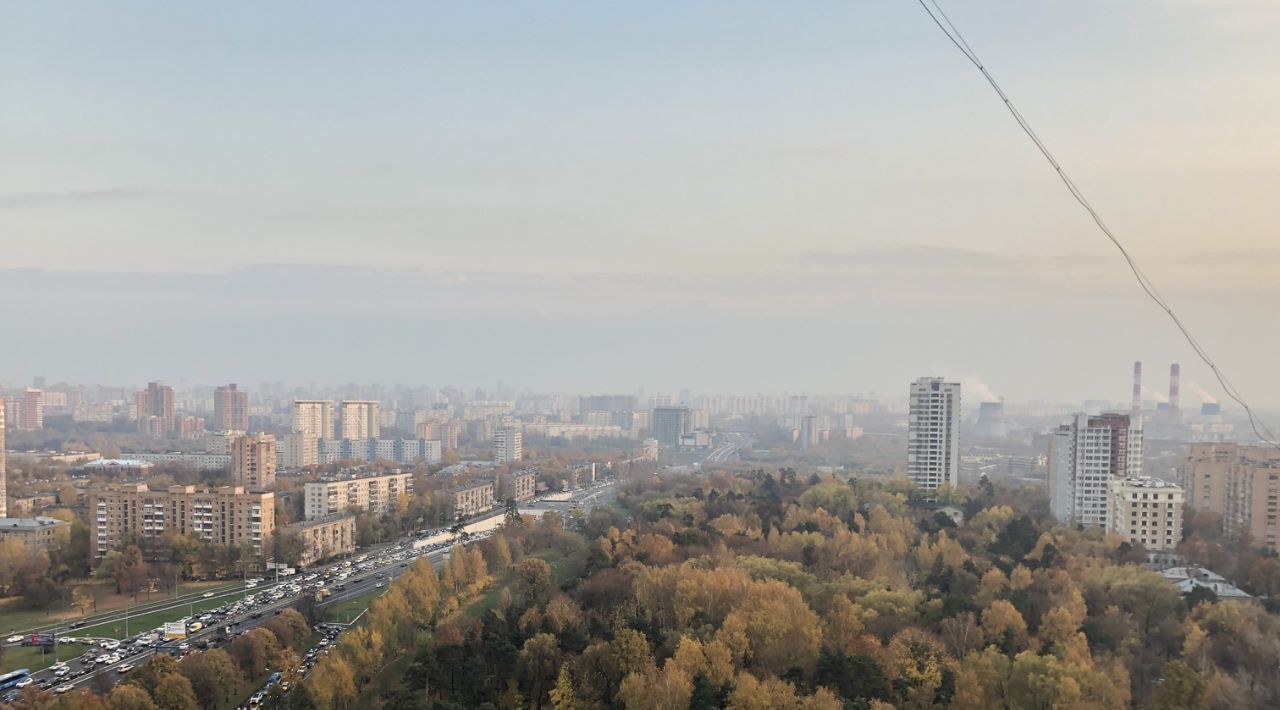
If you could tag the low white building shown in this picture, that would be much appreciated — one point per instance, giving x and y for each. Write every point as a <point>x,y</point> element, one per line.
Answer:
<point>1187,579</point>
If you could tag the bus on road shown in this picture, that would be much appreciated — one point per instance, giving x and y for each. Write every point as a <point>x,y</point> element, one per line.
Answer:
<point>10,680</point>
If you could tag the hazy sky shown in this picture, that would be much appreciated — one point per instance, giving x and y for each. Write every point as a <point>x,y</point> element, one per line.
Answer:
<point>583,195</point>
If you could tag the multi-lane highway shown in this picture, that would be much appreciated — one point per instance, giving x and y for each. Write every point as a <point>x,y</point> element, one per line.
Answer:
<point>246,608</point>
<point>375,572</point>
<point>730,442</point>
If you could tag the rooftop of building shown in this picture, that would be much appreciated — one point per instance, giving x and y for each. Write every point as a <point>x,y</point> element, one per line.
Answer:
<point>326,520</point>
<point>482,483</point>
<point>36,523</point>
<point>1187,578</point>
<point>344,477</point>
<point>1148,482</point>
<point>118,463</point>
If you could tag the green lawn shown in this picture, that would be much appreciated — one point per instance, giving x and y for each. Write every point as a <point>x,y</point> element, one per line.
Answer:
<point>344,612</point>
<point>31,656</point>
<point>562,569</point>
<point>15,619</point>
<point>151,620</point>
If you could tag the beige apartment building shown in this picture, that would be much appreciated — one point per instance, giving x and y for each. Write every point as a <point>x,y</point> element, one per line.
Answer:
<point>1147,511</point>
<point>361,419</point>
<point>299,449</point>
<point>253,461</point>
<point>526,483</point>
<point>229,515</point>
<point>472,499</point>
<point>372,493</point>
<point>313,417</point>
<point>324,538</point>
<point>27,506</point>
<point>1238,482</point>
<point>38,533</point>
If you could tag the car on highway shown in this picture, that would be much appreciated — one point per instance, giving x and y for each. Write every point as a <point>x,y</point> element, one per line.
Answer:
<point>62,689</point>
<point>24,682</point>
<point>207,595</point>
<point>16,638</point>
<point>124,668</point>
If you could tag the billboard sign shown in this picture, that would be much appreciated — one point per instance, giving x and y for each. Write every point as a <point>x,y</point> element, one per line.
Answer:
<point>175,630</point>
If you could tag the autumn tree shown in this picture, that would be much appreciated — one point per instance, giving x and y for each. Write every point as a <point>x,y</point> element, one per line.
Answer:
<point>130,697</point>
<point>174,692</point>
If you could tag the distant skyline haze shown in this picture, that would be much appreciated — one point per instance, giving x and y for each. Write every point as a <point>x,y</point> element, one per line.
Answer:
<point>730,197</point>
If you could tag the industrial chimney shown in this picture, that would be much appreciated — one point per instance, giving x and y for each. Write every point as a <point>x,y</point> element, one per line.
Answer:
<point>1175,374</point>
<point>1136,413</point>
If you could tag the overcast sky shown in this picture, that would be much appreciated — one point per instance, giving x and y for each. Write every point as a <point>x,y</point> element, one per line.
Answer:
<point>725,196</point>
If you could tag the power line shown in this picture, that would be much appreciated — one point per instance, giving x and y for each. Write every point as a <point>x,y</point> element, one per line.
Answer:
<point>940,18</point>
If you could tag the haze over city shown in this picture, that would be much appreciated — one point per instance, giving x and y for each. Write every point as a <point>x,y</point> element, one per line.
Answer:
<point>584,197</point>
<point>562,355</point>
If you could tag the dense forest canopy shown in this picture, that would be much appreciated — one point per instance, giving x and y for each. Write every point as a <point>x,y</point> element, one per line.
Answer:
<point>772,590</point>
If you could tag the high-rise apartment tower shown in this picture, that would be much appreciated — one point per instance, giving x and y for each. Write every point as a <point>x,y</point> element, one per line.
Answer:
<point>933,431</point>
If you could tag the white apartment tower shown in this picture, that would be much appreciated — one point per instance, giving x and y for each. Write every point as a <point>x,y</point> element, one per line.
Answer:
<point>507,445</point>
<point>1085,457</point>
<point>361,419</point>
<point>933,431</point>
<point>313,417</point>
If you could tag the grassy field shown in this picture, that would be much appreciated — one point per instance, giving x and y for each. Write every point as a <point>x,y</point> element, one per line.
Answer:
<point>344,612</point>
<point>562,569</point>
<point>31,656</point>
<point>151,620</point>
<point>15,619</point>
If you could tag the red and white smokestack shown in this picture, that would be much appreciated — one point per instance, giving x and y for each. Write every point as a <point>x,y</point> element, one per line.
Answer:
<point>1136,414</point>
<point>1175,375</point>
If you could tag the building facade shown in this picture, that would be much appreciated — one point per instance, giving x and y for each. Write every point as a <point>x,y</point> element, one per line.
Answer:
<point>361,419</point>
<point>933,431</point>
<point>525,484</point>
<point>29,506</point>
<point>1147,511</point>
<point>220,442</point>
<point>155,412</point>
<point>230,409</point>
<point>375,494</point>
<point>314,417</point>
<point>299,449</point>
<point>671,423</point>
<point>472,499</point>
<point>229,515</point>
<point>444,432</point>
<point>508,445</point>
<point>38,533</point>
<point>32,410</point>
<point>253,461</point>
<point>1085,456</point>
<point>199,462</point>
<point>1238,482</point>
<point>324,538</point>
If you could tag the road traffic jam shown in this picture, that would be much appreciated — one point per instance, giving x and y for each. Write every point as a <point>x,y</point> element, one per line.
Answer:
<point>110,659</point>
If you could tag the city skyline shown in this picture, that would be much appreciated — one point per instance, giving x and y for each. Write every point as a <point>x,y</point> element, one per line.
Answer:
<point>351,167</point>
